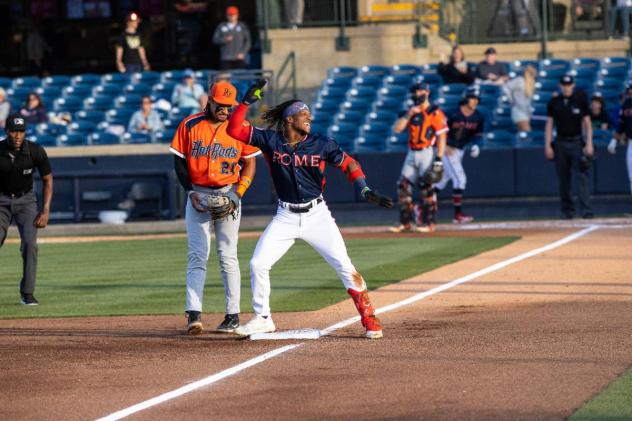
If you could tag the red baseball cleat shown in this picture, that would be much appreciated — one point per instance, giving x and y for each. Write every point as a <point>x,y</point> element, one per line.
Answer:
<point>461,218</point>
<point>370,322</point>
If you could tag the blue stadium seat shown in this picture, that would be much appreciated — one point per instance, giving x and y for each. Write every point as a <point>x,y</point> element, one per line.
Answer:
<point>551,74</point>
<point>342,82</point>
<point>332,93</point>
<point>202,76</point>
<point>404,69</point>
<point>119,115</point>
<point>50,128</point>
<point>387,117</point>
<point>81,127</point>
<point>78,90</point>
<point>365,93</point>
<point>612,62</point>
<point>320,128</point>
<point>170,123</point>
<point>128,100</point>
<point>174,76</point>
<point>539,109</point>
<point>18,94</point>
<point>369,142</point>
<point>28,82</point>
<point>326,106</point>
<point>487,89</point>
<point>500,136</point>
<point>547,85</point>
<point>352,117</point>
<point>584,73</point>
<point>72,139</point>
<point>342,71</point>
<point>404,80</point>
<point>165,136</point>
<point>585,85</point>
<point>180,113</point>
<point>609,83</point>
<point>147,78</point>
<point>343,131</point>
<point>518,66</point>
<point>614,72</point>
<point>56,80</point>
<point>430,68</point>
<point>5,82</point>
<point>99,102</point>
<point>136,138</point>
<point>43,139</point>
<point>397,142</point>
<point>68,104</point>
<point>601,137</point>
<point>555,63</point>
<point>532,139</point>
<point>542,96</point>
<point>448,102</point>
<point>113,88</point>
<point>368,81</point>
<point>503,122</point>
<point>94,116</point>
<point>116,78</point>
<point>586,63</point>
<point>453,89</point>
<point>610,96</point>
<point>49,91</point>
<point>431,78</point>
<point>376,128</point>
<point>373,70</point>
<point>103,138</point>
<point>538,123</point>
<point>388,104</point>
<point>395,92</point>
<point>137,88</point>
<point>86,79</point>
<point>355,105</point>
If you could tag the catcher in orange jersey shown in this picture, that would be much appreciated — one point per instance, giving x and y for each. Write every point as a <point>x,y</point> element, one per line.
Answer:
<point>216,170</point>
<point>427,126</point>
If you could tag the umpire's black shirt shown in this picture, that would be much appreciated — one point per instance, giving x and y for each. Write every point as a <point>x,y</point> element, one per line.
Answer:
<point>16,167</point>
<point>568,113</point>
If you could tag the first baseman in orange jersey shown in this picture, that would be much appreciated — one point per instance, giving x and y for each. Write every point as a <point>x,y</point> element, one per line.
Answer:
<point>427,126</point>
<point>213,168</point>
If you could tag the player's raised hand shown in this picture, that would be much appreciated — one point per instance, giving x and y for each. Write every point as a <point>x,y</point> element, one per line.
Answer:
<point>376,198</point>
<point>254,93</point>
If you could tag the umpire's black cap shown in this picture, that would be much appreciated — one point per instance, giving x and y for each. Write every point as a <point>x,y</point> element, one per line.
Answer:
<point>567,80</point>
<point>15,123</point>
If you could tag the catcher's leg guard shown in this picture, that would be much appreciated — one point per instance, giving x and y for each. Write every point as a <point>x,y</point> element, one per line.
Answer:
<point>429,207</point>
<point>404,194</point>
<point>370,322</point>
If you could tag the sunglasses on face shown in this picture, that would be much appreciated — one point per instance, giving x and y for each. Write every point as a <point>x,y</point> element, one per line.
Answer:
<point>220,106</point>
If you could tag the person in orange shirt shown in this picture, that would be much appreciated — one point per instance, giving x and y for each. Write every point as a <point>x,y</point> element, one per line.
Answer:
<point>427,127</point>
<point>208,162</point>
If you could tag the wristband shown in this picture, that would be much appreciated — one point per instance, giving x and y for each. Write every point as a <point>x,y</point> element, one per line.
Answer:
<point>244,184</point>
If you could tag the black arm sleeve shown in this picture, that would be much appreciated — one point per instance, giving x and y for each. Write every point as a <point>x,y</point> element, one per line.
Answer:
<point>183,173</point>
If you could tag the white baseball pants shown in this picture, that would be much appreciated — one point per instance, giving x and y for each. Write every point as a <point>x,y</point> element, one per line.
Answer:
<point>417,163</point>
<point>199,237</point>
<point>318,229</point>
<point>453,169</point>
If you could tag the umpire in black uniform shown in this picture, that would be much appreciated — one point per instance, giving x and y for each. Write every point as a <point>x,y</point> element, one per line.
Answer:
<point>18,158</point>
<point>572,149</point>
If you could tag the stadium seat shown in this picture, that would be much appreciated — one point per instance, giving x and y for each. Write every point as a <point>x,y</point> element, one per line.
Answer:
<point>202,76</point>
<point>395,92</point>
<point>333,93</point>
<point>69,104</point>
<point>397,142</point>
<point>586,63</point>
<point>532,139</point>
<point>180,113</point>
<point>344,71</point>
<point>543,96</point>
<point>5,82</point>
<point>103,138</point>
<point>49,91</point>
<point>343,131</point>
<point>555,63</point>
<point>430,68</point>
<point>113,89</point>
<point>518,66</point>
<point>404,80</point>
<point>584,73</point>
<point>547,85</point>
<point>78,91</point>
<point>326,106</point>
<point>18,94</point>
<point>614,72</point>
<point>613,62</point>
<point>387,117</point>
<point>128,100</point>
<point>165,136</point>
<point>538,123</point>
<point>609,96</point>
<point>453,89</point>
<point>404,69</point>
<point>86,79</point>
<point>94,116</point>
<point>170,123</point>
<point>56,80</point>
<point>364,93</point>
<point>487,89</point>
<point>43,139</point>
<point>376,128</point>
<point>609,83</point>
<point>99,102</point>
<point>81,127</point>
<point>119,115</point>
<point>72,139</point>
<point>430,78</point>
<point>602,137</point>
<point>373,70</point>
<point>174,76</point>
<point>388,104</point>
<point>136,138</point>
<point>369,143</point>
<point>351,117</point>
<point>448,102</point>
<point>500,136</point>
<point>502,122</point>
<point>147,78</point>
<point>342,82</point>
<point>361,105</point>
<point>137,88</point>
<point>555,74</point>
<point>50,128</point>
<point>368,81</point>
<point>116,78</point>
<point>27,82</point>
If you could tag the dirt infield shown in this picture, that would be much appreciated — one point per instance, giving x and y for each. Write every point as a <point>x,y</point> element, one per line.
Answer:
<point>533,340</point>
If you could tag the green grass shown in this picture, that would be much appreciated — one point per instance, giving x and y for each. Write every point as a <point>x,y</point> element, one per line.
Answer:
<point>613,403</point>
<point>147,276</point>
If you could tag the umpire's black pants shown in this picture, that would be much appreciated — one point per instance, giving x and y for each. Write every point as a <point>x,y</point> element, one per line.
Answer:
<point>24,211</point>
<point>567,160</point>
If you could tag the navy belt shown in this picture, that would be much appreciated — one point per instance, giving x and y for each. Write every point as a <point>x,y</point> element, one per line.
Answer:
<point>295,208</point>
<point>16,195</point>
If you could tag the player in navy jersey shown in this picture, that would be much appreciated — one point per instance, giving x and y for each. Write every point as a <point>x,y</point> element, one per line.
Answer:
<point>466,125</point>
<point>297,160</point>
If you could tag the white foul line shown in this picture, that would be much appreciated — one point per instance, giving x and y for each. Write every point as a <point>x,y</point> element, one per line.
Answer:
<point>261,358</point>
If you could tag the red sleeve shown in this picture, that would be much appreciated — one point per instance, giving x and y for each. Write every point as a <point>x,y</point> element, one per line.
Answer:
<point>351,168</point>
<point>237,125</point>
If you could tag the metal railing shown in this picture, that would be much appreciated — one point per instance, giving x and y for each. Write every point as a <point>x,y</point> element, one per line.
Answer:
<point>282,85</point>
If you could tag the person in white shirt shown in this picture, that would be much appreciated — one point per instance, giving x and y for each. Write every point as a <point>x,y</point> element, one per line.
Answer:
<point>187,94</point>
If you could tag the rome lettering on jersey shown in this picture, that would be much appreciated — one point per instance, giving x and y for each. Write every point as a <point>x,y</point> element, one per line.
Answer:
<point>625,118</point>
<point>463,129</point>
<point>424,127</point>
<point>212,155</point>
<point>297,173</point>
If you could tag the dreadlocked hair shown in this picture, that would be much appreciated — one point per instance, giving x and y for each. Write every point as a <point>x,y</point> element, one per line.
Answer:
<point>274,116</point>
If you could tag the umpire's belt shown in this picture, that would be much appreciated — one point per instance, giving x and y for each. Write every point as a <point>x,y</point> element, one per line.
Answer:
<point>300,208</point>
<point>16,195</point>
<point>569,138</point>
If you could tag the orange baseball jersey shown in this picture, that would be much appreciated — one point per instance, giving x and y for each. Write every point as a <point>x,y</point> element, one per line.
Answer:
<point>424,127</point>
<point>212,155</point>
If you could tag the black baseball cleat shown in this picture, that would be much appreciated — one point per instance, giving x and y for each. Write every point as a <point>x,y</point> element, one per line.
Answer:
<point>230,323</point>
<point>194,325</point>
<point>29,300</point>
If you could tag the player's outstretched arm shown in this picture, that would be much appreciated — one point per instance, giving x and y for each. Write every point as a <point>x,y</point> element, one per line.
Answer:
<point>236,127</point>
<point>354,173</point>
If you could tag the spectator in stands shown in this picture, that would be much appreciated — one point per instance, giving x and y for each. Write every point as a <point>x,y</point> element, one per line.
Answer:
<point>5,107</point>
<point>187,94</point>
<point>456,70</point>
<point>233,39</point>
<point>34,111</point>
<point>294,12</point>
<point>598,114</point>
<point>145,120</point>
<point>623,9</point>
<point>520,93</point>
<point>490,70</point>
<point>130,52</point>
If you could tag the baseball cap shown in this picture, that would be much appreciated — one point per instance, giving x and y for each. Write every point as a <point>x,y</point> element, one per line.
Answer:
<point>490,50</point>
<point>15,123</point>
<point>419,86</point>
<point>232,10</point>
<point>188,73</point>
<point>567,80</point>
<point>223,93</point>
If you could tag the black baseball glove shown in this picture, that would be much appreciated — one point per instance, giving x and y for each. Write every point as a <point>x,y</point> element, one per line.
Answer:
<point>254,93</point>
<point>434,173</point>
<point>376,198</point>
<point>585,162</point>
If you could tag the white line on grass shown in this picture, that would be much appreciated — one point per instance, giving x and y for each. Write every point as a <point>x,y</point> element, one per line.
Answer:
<point>261,358</point>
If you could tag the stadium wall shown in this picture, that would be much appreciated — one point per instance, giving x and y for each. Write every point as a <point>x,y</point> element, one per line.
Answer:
<point>390,44</point>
